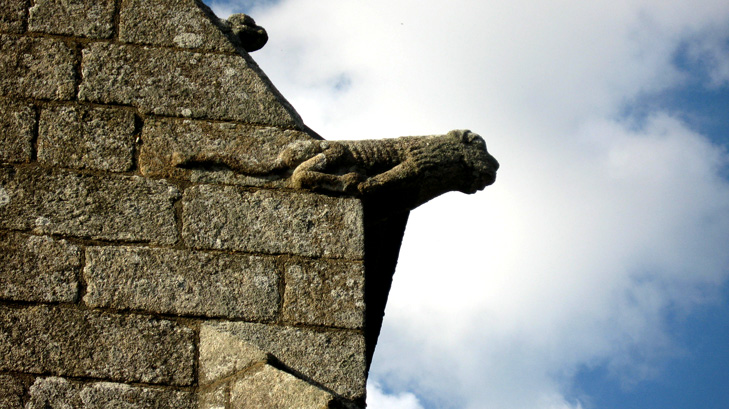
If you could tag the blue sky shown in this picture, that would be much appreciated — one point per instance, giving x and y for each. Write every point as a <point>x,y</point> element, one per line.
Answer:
<point>593,274</point>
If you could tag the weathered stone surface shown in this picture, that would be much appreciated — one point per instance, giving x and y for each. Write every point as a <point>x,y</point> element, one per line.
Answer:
<point>324,293</point>
<point>82,18</point>
<point>11,392</point>
<point>17,122</point>
<point>222,354</point>
<point>214,398</point>
<point>12,15</point>
<point>274,389</point>
<point>128,208</point>
<point>182,282</point>
<point>36,268</point>
<point>87,138</point>
<point>184,84</point>
<point>60,393</point>
<point>40,68</point>
<point>173,23</point>
<point>333,359</point>
<point>82,343</point>
<point>224,217</point>
<point>186,148</point>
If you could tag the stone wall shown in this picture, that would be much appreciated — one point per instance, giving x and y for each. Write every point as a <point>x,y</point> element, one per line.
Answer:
<point>127,280</point>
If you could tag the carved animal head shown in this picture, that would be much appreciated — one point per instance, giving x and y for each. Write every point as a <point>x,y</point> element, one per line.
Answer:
<point>480,166</point>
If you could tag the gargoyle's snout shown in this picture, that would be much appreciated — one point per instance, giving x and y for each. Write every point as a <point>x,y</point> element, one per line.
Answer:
<point>482,164</point>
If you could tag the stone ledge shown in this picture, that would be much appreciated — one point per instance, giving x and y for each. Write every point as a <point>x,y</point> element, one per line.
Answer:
<point>272,222</point>
<point>271,388</point>
<point>126,208</point>
<point>34,268</point>
<point>82,343</point>
<point>81,18</point>
<point>182,282</point>
<point>39,68</point>
<point>86,138</point>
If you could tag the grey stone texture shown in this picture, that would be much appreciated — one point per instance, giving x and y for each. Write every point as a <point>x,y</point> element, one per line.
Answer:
<point>59,393</point>
<point>13,14</point>
<point>272,222</point>
<point>275,389</point>
<point>183,84</point>
<point>333,359</point>
<point>37,268</point>
<point>41,68</point>
<point>178,148</point>
<point>87,138</point>
<point>171,23</point>
<point>81,18</point>
<point>182,282</point>
<point>17,122</point>
<point>222,354</point>
<point>127,208</point>
<point>82,343</point>
<point>11,392</point>
<point>325,293</point>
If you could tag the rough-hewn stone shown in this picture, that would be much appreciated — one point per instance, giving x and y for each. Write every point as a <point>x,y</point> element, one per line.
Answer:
<point>333,359</point>
<point>271,388</point>
<point>17,122</point>
<point>81,343</point>
<point>173,23</point>
<point>183,84</point>
<point>222,354</point>
<point>82,18</point>
<point>12,15</point>
<point>214,398</point>
<point>87,138</point>
<point>127,208</point>
<point>40,68</point>
<point>182,282</point>
<point>60,393</point>
<point>224,217</point>
<point>34,268</point>
<point>324,293</point>
<point>11,392</point>
<point>186,148</point>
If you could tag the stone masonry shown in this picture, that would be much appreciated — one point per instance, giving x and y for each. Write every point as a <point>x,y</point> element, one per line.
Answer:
<point>129,281</point>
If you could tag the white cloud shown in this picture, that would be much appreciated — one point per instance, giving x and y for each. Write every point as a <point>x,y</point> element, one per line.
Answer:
<point>596,225</point>
<point>378,399</point>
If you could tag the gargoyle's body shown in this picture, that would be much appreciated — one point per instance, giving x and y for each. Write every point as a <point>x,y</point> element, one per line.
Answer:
<point>411,169</point>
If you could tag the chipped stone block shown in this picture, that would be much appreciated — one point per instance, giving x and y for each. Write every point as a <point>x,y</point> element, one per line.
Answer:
<point>12,15</point>
<point>274,389</point>
<point>87,138</point>
<point>128,208</point>
<point>176,147</point>
<point>83,343</point>
<point>17,122</point>
<point>171,23</point>
<point>333,359</point>
<point>230,218</point>
<point>34,268</point>
<point>41,68</point>
<point>11,392</point>
<point>57,392</point>
<point>81,18</point>
<point>222,354</point>
<point>324,293</point>
<point>182,84</point>
<point>182,282</point>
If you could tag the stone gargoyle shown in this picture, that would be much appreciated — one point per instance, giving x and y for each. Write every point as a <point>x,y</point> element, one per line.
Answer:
<point>400,173</point>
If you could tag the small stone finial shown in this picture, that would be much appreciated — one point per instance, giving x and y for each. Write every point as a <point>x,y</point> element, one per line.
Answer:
<point>251,36</point>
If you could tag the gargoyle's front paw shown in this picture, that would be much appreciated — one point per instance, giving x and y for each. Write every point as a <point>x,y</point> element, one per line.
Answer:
<point>351,182</point>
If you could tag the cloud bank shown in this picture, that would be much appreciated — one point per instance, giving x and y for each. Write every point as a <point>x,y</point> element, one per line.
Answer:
<point>602,220</point>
